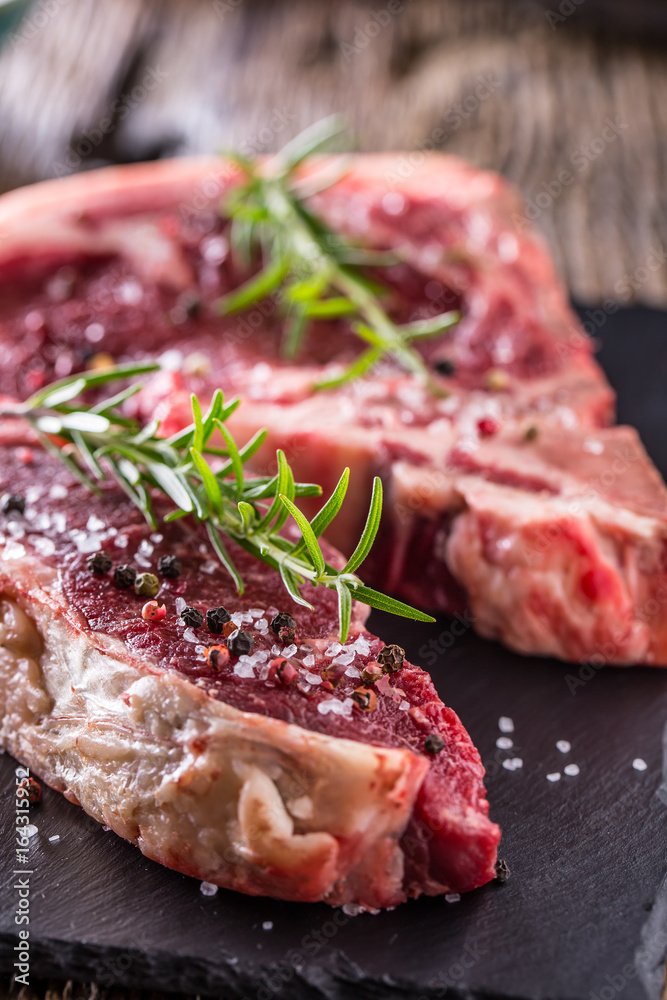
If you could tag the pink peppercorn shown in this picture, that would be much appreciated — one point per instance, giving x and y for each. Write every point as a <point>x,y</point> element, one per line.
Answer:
<point>487,426</point>
<point>151,612</point>
<point>283,670</point>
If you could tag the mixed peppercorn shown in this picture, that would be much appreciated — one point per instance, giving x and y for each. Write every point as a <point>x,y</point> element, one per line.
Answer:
<point>238,641</point>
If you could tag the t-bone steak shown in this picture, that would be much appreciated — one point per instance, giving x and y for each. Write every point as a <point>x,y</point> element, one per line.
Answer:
<point>512,497</point>
<point>267,765</point>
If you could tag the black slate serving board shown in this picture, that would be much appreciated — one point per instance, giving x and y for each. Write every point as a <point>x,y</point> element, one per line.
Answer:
<point>583,916</point>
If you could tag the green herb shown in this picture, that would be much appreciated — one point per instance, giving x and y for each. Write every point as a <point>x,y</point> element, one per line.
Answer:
<point>314,271</point>
<point>206,482</point>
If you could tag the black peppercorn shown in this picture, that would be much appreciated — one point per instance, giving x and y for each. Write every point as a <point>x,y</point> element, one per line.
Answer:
<point>240,642</point>
<point>10,502</point>
<point>99,563</point>
<point>286,636</point>
<point>192,617</point>
<point>502,871</point>
<point>146,585</point>
<point>124,576</point>
<point>283,620</point>
<point>216,618</point>
<point>170,567</point>
<point>391,658</point>
<point>434,743</point>
<point>445,367</point>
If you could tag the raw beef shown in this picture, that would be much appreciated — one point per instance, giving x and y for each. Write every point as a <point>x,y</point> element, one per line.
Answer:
<point>511,497</point>
<point>257,771</point>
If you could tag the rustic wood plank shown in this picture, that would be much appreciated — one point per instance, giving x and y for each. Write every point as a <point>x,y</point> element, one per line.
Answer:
<point>251,73</point>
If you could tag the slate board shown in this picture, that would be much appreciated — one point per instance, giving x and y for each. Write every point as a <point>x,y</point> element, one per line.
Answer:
<point>583,915</point>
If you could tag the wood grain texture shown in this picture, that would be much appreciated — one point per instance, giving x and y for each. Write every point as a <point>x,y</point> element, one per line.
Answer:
<point>201,74</point>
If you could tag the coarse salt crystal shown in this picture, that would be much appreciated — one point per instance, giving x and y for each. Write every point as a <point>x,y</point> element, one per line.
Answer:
<point>261,625</point>
<point>237,618</point>
<point>208,889</point>
<point>157,537</point>
<point>353,671</point>
<point>30,830</point>
<point>289,651</point>
<point>571,769</point>
<point>554,776</point>
<point>362,646</point>
<point>505,724</point>
<point>352,909</point>
<point>513,764</point>
<point>452,897</point>
<point>130,293</point>
<point>404,706</point>
<point>54,839</point>
<point>94,333</point>
<point>14,550</point>
<point>145,549</point>
<point>209,567</point>
<point>333,649</point>
<point>267,925</point>
<point>189,636</point>
<point>44,546</point>
<point>504,743</point>
<point>121,541</point>
<point>244,667</point>
<point>171,360</point>
<point>343,659</point>
<point>58,492</point>
<point>639,764</point>
<point>335,707</point>
<point>88,543</point>
<point>256,612</point>
<point>313,679</point>
<point>564,746</point>
<point>309,661</point>
<point>181,605</point>
<point>94,523</point>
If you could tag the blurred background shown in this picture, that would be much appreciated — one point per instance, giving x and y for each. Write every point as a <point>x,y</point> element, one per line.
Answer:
<point>567,98</point>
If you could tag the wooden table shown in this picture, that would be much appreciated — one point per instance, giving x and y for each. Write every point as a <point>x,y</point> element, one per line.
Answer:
<point>578,121</point>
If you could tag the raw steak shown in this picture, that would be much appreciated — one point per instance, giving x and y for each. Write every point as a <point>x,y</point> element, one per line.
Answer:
<point>270,782</point>
<point>510,497</point>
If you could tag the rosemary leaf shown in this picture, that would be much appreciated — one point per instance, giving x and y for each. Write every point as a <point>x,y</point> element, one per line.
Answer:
<point>251,510</point>
<point>344,608</point>
<point>309,536</point>
<point>370,529</point>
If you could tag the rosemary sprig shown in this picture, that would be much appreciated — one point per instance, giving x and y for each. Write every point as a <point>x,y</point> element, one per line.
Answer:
<point>313,271</point>
<point>206,481</point>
